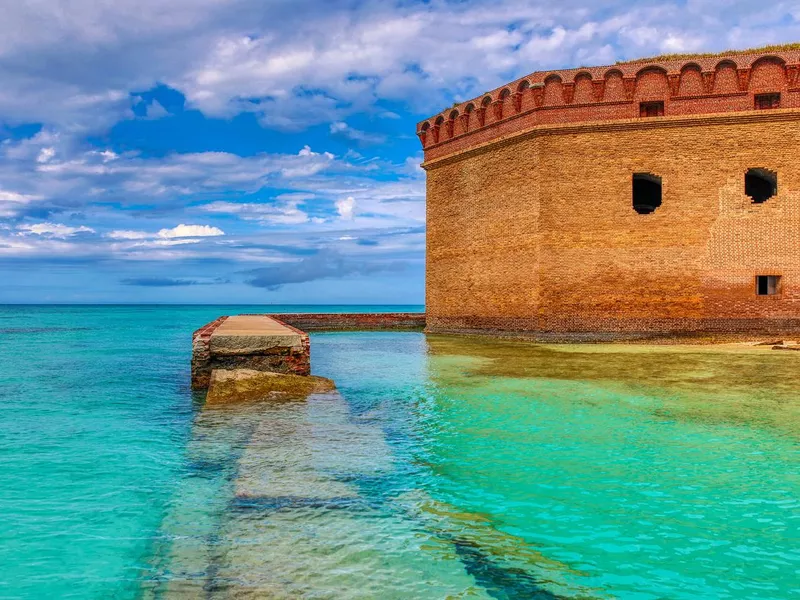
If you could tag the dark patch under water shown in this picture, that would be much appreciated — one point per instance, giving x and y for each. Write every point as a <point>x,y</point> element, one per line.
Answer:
<point>273,503</point>
<point>504,583</point>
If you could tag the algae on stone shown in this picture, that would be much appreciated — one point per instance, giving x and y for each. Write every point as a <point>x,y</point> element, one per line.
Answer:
<point>229,386</point>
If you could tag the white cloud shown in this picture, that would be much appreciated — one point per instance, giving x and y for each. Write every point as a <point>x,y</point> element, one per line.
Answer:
<point>284,213</point>
<point>71,174</point>
<point>127,234</point>
<point>292,64</point>
<point>343,130</point>
<point>179,231</point>
<point>6,196</point>
<point>56,230</point>
<point>307,61</point>
<point>178,242</point>
<point>12,203</point>
<point>46,154</point>
<point>345,208</point>
<point>185,231</point>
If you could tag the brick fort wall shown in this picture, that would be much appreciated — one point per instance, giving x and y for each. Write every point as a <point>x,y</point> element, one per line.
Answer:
<point>532,227</point>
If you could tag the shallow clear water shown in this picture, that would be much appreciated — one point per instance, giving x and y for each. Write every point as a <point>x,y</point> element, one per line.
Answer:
<point>441,468</point>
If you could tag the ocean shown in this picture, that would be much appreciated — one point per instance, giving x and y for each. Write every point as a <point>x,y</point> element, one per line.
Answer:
<point>443,467</point>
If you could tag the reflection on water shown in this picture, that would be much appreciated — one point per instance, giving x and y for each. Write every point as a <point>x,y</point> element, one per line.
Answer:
<point>456,468</point>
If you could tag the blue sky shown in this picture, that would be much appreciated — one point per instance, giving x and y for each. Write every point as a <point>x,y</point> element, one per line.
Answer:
<point>263,151</point>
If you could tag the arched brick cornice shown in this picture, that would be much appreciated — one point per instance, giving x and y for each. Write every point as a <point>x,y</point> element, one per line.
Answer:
<point>725,63</point>
<point>612,92</point>
<point>768,59</point>
<point>651,69</point>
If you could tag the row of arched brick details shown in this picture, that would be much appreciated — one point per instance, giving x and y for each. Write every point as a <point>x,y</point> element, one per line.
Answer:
<point>715,84</point>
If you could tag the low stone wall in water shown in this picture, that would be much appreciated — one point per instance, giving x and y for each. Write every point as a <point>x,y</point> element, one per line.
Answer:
<point>354,321</point>
<point>252,342</point>
<point>245,342</point>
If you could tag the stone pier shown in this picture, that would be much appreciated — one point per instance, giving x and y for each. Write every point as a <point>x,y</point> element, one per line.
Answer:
<point>254,342</point>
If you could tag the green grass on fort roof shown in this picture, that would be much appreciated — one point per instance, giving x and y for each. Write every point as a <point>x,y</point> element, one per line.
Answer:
<point>759,50</point>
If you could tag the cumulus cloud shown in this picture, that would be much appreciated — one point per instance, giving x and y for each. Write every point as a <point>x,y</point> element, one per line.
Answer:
<point>47,173</point>
<point>13,203</point>
<point>179,231</point>
<point>298,62</point>
<point>56,230</point>
<point>346,207</point>
<point>127,234</point>
<point>46,154</point>
<point>184,231</point>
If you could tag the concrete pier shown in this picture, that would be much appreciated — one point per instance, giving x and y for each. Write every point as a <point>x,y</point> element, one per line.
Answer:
<point>255,342</point>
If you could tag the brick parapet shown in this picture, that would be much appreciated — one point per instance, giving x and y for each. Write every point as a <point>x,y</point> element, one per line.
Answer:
<point>707,85</point>
<point>454,153</point>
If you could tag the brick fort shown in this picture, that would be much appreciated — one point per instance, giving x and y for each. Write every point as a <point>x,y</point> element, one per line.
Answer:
<point>653,196</point>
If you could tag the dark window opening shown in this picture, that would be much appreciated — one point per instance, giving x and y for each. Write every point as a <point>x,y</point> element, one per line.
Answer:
<point>767,101</point>
<point>760,184</point>
<point>768,285</point>
<point>646,193</point>
<point>651,109</point>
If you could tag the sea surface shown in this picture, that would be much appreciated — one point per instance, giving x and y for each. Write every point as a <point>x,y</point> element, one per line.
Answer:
<point>442,467</point>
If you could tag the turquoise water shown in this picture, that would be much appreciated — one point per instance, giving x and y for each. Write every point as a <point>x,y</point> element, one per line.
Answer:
<point>441,468</point>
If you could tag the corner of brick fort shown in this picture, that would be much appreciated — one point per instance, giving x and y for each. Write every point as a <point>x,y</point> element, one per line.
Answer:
<point>533,221</point>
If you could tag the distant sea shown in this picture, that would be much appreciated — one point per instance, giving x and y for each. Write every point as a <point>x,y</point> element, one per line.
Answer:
<point>442,467</point>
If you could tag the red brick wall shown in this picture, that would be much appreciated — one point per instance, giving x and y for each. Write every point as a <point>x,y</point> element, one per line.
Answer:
<point>537,231</point>
<point>700,86</point>
<point>352,321</point>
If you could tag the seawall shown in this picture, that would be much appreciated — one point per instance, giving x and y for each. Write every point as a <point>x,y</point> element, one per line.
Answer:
<point>354,321</point>
<point>278,343</point>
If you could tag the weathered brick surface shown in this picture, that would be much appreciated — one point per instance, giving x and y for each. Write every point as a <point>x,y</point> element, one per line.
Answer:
<point>531,225</point>
<point>717,84</point>
<point>353,321</point>
<point>201,354</point>
<point>292,361</point>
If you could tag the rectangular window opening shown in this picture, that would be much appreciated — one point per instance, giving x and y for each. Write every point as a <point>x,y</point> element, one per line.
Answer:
<point>767,101</point>
<point>768,285</point>
<point>651,109</point>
